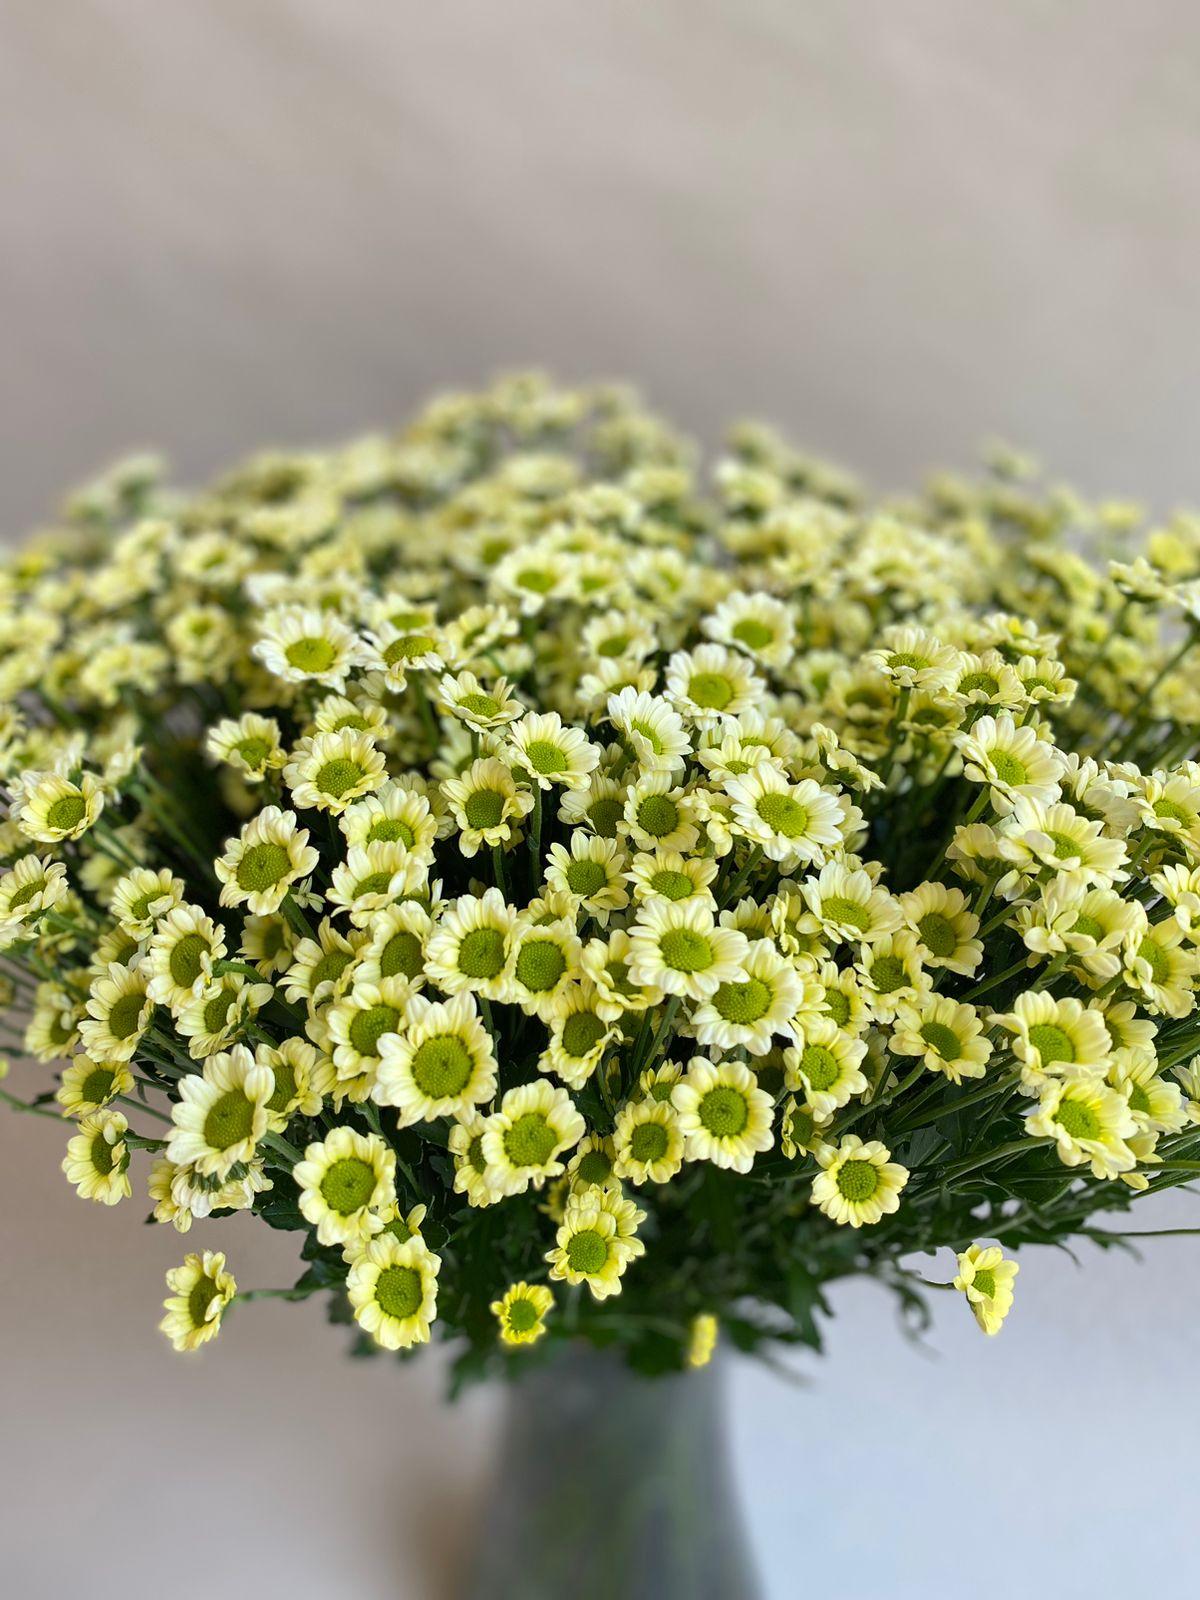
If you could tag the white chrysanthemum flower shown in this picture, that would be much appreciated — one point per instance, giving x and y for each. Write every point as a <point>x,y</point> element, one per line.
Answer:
<point>372,878</point>
<point>986,1278</point>
<point>97,1158</point>
<point>792,823</point>
<point>185,947</point>
<point>944,926</point>
<point>849,905</point>
<point>1055,838</point>
<point>946,1034</point>
<point>825,1067</point>
<point>269,857</point>
<point>329,771</point>
<point>392,1287</point>
<point>648,1142</point>
<point>396,815</point>
<point>1089,1123</point>
<point>525,1138</point>
<point>1055,1036</point>
<point>347,1181</point>
<point>119,1012</point>
<point>360,1020</point>
<point>219,1013</point>
<point>49,807</point>
<point>221,1114</point>
<point>758,624</point>
<point>678,948</point>
<point>32,886</point>
<point>300,646</point>
<point>711,682</point>
<point>1011,760</point>
<point>441,1065</point>
<point>544,959</point>
<point>550,752</point>
<point>250,744</point>
<point>747,1012</point>
<point>1162,966</point>
<point>472,1175</point>
<point>591,874</point>
<point>323,967</point>
<point>914,659</point>
<point>470,947</point>
<point>142,898</point>
<point>653,731</point>
<point>858,1184</point>
<point>200,1290</point>
<point>480,707</point>
<point>723,1115</point>
<point>579,1035</point>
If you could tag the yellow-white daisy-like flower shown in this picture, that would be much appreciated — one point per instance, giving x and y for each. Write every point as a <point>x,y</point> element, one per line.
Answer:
<point>986,1278</point>
<point>472,1176</point>
<point>543,961</point>
<point>347,1184</point>
<point>521,1313</point>
<point>668,875</point>
<point>97,1159</point>
<point>723,1115</point>
<point>579,1035</point>
<point>746,1012</point>
<point>392,1286</point>
<point>757,624</point>
<point>1052,1036</point>
<point>1037,837</point>
<point>185,947</point>
<point>1155,1103</point>
<point>119,1011</point>
<point>480,707</point>
<point>302,1079</point>
<point>653,731</point>
<point>648,1142</point>
<point>359,1021</point>
<point>710,683</point>
<point>395,652</point>
<point>471,945</point>
<point>398,816</point>
<point>849,905</point>
<point>946,1034</point>
<point>50,807</point>
<point>441,1065</point>
<point>323,967</point>
<point>858,1184</point>
<point>792,823</point>
<point>1162,966</point>
<point>250,744</point>
<point>200,1290</point>
<point>221,1114</point>
<point>799,1129</point>
<point>1090,1123</point>
<point>260,866</point>
<point>329,771</point>
<point>31,887</point>
<point>89,1085</point>
<point>549,751</point>
<point>702,1339</point>
<point>396,946</point>
<point>55,1024</point>
<point>372,878</point>
<point>525,1138</point>
<point>1011,760</point>
<point>590,874</point>
<point>678,948</point>
<point>892,970</point>
<point>217,1014</point>
<point>659,814</point>
<point>588,1247</point>
<point>300,646</point>
<point>914,659</point>
<point>825,1066</point>
<point>945,928</point>
<point>143,897</point>
<point>606,963</point>
<point>487,805</point>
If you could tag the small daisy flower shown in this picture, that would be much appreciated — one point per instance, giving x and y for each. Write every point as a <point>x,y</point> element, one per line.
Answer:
<point>891,971</point>
<point>756,624</point>
<point>1055,838</point>
<point>986,1278</point>
<point>745,1013</point>
<point>858,1184</point>
<point>588,1249</point>
<point>591,1165</point>
<point>372,878</point>
<point>441,1065</point>
<point>914,659</point>
<point>711,682</point>
<point>250,744</point>
<point>89,1085</point>
<point>677,947</point>
<point>487,805</point>
<point>360,1020</point>
<point>472,1176</point>
<point>329,771</point>
<point>302,1077</point>
<point>1011,760</point>
<point>648,1141</point>
<point>600,807</point>
<point>1162,967</point>
<point>1155,1104</point>
<point>50,808</point>
<point>544,959</point>
<point>397,816</point>
<point>32,886</point>
<point>119,1011</point>
<point>550,752</point>
<point>185,947</point>
<point>799,1129</point>
<point>522,1313</point>
<point>1089,1122</point>
<point>1055,1036</point>
<point>396,946</point>
<point>945,928</point>
<point>668,875</point>
<point>653,731</point>
<point>97,1159</point>
<point>947,1035</point>
<point>217,1014</point>
<point>471,946</point>
<point>579,1036</point>
<point>849,905</point>
<point>221,1114</point>
<point>200,1290</point>
<point>481,708</point>
<point>347,1182</point>
<point>659,814</point>
<point>590,874</point>
<point>524,1139</point>
<point>323,967</point>
<point>142,898</point>
<point>269,856</point>
<point>392,1287</point>
<point>723,1115</point>
<point>793,823</point>
<point>606,964</point>
<point>303,646</point>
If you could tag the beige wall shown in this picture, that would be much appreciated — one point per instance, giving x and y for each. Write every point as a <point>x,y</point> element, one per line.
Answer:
<point>893,227</point>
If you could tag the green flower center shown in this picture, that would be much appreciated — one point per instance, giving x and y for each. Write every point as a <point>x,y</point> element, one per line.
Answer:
<point>581,1032</point>
<point>230,1119</point>
<point>484,809</point>
<point>1079,1121</point>
<point>1156,956</point>
<point>712,690</point>
<point>941,1039</point>
<point>1052,1043</point>
<point>976,682</point>
<point>586,878</point>
<point>204,1292</point>
<point>311,655</point>
<point>540,965</point>
<point>373,883</point>
<point>685,950</point>
<point>481,953</point>
<point>595,1167</point>
<point>399,1292</point>
<point>1089,928</point>
<point>937,934</point>
<point>216,1010</point>
<point>783,815</point>
<point>530,1141</point>
<point>723,1112</point>
<point>65,813</point>
<point>604,815</point>
<point>125,1018</point>
<point>284,1091</point>
<point>820,1067</point>
<point>858,1180</point>
<point>339,776</point>
<point>402,954</point>
<point>348,1185</point>
<point>836,908</point>
<point>102,1155</point>
<point>837,1004</point>
<point>1007,768</point>
<point>985,1282</point>
<point>391,830</point>
<point>647,733</point>
<point>648,1142</point>
<point>744,1003</point>
<point>1169,811</point>
<point>262,866</point>
<point>521,1316</point>
<point>409,648</point>
<point>480,705</point>
<point>253,752</point>
<point>755,635</point>
<point>97,1086</point>
<point>545,757</point>
<point>1063,845</point>
<point>587,1252</point>
<point>442,1067</point>
<point>186,960</point>
<point>657,815</point>
<point>330,967</point>
<point>369,1026</point>
<point>26,892</point>
<point>672,885</point>
<point>888,974</point>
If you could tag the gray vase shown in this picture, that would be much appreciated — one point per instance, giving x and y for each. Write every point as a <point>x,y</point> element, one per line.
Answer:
<point>613,1487</point>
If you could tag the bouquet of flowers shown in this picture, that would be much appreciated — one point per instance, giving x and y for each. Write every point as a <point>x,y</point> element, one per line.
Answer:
<point>583,903</point>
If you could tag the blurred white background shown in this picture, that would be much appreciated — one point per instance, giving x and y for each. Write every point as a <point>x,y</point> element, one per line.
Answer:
<point>891,227</point>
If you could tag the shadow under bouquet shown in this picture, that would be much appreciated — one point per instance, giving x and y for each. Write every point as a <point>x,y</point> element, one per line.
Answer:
<point>588,902</point>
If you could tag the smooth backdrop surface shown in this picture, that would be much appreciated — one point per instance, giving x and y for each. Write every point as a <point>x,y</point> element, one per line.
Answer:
<point>893,228</point>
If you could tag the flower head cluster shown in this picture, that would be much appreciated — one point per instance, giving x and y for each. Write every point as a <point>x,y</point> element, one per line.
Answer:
<point>533,877</point>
